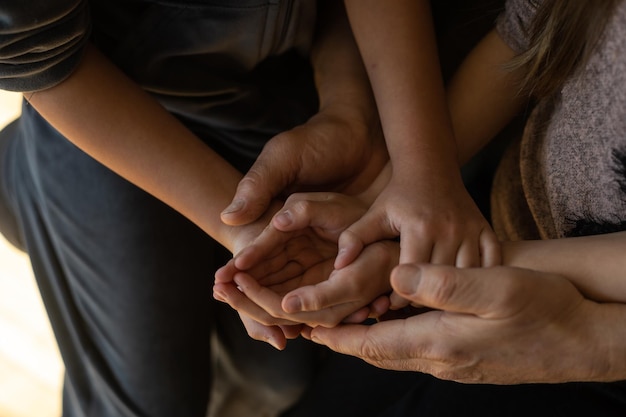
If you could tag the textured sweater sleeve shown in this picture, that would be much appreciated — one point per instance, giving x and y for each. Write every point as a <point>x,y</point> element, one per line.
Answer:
<point>41,42</point>
<point>513,25</point>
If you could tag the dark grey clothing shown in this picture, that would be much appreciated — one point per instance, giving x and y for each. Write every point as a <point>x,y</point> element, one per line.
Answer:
<point>40,42</point>
<point>234,71</point>
<point>125,279</point>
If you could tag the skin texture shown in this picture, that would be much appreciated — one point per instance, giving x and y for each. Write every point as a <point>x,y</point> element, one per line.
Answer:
<point>499,325</point>
<point>541,318</point>
<point>307,157</point>
<point>133,137</point>
<point>425,201</point>
<point>552,313</point>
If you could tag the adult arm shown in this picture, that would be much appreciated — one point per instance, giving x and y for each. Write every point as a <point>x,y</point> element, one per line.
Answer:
<point>497,325</point>
<point>483,95</point>
<point>594,264</point>
<point>341,147</point>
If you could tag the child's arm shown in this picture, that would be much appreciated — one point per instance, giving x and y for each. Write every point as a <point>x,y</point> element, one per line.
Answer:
<point>425,202</point>
<point>109,117</point>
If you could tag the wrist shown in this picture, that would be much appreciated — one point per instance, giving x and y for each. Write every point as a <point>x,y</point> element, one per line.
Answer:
<point>604,342</point>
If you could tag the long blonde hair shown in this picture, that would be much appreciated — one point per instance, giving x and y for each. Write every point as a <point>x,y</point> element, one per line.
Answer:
<point>562,36</point>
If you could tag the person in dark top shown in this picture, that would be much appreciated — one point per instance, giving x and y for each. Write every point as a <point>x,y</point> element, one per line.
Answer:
<point>139,118</point>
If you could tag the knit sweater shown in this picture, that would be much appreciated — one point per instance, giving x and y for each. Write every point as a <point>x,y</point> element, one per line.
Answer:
<point>566,176</point>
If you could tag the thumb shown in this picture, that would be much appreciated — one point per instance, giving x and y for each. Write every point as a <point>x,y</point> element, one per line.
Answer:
<point>271,173</point>
<point>327,213</point>
<point>478,291</point>
<point>368,229</point>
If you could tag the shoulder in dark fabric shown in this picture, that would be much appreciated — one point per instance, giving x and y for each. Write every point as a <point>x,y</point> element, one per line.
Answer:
<point>41,42</point>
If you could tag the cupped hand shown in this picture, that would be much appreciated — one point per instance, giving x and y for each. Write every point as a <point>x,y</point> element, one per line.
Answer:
<point>496,325</point>
<point>322,296</point>
<point>289,275</point>
<point>337,149</point>
<point>270,331</point>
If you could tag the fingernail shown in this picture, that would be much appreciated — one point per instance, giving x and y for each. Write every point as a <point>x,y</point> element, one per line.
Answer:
<point>219,296</point>
<point>292,304</point>
<point>274,343</point>
<point>315,338</point>
<point>406,279</point>
<point>234,207</point>
<point>283,219</point>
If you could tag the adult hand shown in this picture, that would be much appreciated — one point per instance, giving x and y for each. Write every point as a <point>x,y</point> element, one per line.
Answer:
<point>497,325</point>
<point>296,262</point>
<point>273,332</point>
<point>321,296</point>
<point>338,148</point>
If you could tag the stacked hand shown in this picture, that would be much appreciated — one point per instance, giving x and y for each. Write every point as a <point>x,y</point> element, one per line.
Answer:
<point>289,276</point>
<point>497,325</point>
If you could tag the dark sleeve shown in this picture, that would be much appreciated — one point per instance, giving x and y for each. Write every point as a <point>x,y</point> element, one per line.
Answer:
<point>41,42</point>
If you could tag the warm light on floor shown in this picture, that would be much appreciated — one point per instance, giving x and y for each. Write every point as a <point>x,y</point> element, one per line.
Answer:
<point>30,366</point>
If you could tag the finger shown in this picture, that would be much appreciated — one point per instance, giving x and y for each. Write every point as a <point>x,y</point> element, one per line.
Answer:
<point>397,302</point>
<point>444,252</point>
<point>289,272</point>
<point>379,306</point>
<point>274,169</point>
<point>270,334</point>
<point>370,228</point>
<point>269,301</point>
<point>267,245</point>
<point>483,292</point>
<point>385,344</point>
<point>292,332</point>
<point>229,294</point>
<point>490,249</point>
<point>358,284</point>
<point>415,247</point>
<point>468,255</point>
<point>226,272</point>
<point>262,297</point>
<point>358,316</point>
<point>321,211</point>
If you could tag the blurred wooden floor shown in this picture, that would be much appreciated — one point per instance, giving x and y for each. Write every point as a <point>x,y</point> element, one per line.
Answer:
<point>30,367</point>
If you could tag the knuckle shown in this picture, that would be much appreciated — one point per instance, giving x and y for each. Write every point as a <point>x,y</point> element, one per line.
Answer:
<point>372,350</point>
<point>453,363</point>
<point>441,289</point>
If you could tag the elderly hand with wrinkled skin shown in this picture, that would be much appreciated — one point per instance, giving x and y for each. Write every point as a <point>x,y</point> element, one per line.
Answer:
<point>497,325</point>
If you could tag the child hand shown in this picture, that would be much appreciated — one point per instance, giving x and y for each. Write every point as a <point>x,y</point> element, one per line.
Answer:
<point>437,223</point>
<point>299,260</point>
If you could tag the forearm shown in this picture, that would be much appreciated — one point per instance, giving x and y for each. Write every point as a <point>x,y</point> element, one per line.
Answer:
<point>345,96</point>
<point>340,76</point>
<point>109,117</point>
<point>594,264</point>
<point>397,42</point>
<point>483,95</point>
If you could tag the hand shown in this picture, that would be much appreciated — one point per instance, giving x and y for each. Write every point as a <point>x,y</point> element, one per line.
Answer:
<point>437,223</point>
<point>321,296</point>
<point>496,325</point>
<point>337,148</point>
<point>273,333</point>
<point>284,261</point>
